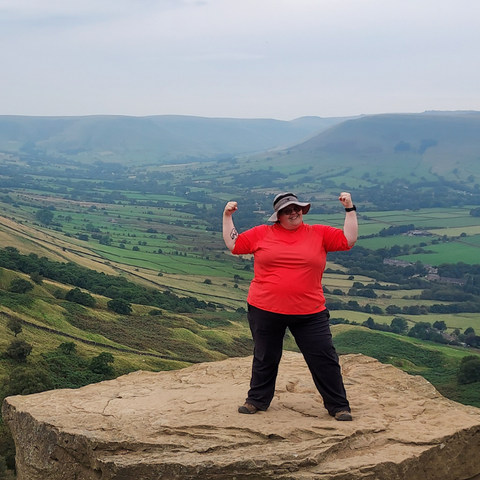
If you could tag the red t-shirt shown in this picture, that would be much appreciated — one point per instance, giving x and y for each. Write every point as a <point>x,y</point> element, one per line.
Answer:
<point>289,265</point>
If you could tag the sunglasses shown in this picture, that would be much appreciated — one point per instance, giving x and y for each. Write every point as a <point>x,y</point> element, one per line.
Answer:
<point>290,210</point>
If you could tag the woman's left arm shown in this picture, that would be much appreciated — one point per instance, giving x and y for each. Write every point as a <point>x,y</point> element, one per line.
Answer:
<point>350,227</point>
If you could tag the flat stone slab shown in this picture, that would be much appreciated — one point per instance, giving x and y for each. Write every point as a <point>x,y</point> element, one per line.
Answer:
<point>184,424</point>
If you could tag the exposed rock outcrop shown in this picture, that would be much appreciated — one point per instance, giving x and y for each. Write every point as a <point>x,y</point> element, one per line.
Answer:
<point>184,425</point>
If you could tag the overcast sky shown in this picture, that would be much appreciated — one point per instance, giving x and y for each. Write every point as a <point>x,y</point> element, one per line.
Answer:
<point>238,58</point>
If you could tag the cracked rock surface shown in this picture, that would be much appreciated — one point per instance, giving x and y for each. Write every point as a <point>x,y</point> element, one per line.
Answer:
<point>184,425</point>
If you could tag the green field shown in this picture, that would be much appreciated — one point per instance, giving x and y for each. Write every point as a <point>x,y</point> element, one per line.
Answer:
<point>451,252</point>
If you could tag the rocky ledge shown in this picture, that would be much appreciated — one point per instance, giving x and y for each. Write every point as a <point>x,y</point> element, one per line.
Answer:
<point>184,425</point>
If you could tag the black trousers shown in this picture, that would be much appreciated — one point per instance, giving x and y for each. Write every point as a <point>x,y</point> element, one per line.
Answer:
<point>314,339</point>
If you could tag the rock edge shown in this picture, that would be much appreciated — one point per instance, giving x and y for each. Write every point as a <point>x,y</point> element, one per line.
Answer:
<point>184,425</point>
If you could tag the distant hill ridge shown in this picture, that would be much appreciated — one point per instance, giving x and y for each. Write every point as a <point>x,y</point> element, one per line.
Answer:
<point>455,132</point>
<point>159,138</point>
<point>439,137</point>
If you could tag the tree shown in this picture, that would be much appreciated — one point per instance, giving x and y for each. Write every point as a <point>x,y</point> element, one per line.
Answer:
<point>421,330</point>
<point>15,325</point>
<point>44,216</point>
<point>105,240</point>
<point>90,227</point>
<point>82,298</point>
<point>399,325</point>
<point>36,278</point>
<point>18,350</point>
<point>472,340</point>
<point>393,310</point>
<point>440,325</point>
<point>20,285</point>
<point>120,306</point>
<point>101,364</point>
<point>469,371</point>
<point>57,293</point>
<point>26,380</point>
<point>369,323</point>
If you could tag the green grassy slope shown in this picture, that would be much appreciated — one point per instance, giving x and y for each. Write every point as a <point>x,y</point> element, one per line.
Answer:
<point>167,341</point>
<point>438,364</point>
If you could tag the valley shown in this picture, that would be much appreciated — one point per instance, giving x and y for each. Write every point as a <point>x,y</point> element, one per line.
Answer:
<point>152,230</point>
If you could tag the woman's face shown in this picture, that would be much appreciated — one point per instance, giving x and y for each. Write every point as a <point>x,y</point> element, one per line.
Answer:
<point>291,217</point>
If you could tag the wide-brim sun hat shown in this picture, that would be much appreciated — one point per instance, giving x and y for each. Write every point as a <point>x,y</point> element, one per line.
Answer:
<point>283,200</point>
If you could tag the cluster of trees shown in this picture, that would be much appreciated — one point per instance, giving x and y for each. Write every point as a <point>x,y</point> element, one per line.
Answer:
<point>96,282</point>
<point>362,261</point>
<point>427,331</point>
<point>353,305</point>
<point>60,368</point>
<point>397,325</point>
<point>469,337</point>
<point>395,230</point>
<point>402,194</point>
<point>462,297</point>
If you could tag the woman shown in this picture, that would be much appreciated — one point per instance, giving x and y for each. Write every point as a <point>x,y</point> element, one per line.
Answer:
<point>286,291</point>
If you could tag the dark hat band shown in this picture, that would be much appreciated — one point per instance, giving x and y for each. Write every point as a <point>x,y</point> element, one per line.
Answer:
<point>281,197</point>
<point>284,200</point>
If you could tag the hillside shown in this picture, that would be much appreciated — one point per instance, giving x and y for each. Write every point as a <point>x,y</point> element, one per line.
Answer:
<point>158,139</point>
<point>390,133</point>
<point>427,145</point>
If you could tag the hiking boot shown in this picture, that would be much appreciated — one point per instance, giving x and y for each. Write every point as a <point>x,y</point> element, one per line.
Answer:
<point>248,408</point>
<point>343,416</point>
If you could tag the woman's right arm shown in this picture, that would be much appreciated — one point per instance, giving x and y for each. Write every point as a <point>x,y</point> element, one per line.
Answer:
<point>230,233</point>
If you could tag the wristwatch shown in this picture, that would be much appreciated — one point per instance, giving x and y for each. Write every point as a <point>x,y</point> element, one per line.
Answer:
<point>351,209</point>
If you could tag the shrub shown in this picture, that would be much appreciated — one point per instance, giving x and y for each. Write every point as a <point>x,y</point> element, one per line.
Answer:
<point>15,325</point>
<point>20,285</point>
<point>101,364</point>
<point>18,350</point>
<point>36,278</point>
<point>67,348</point>
<point>58,294</point>
<point>469,371</point>
<point>26,380</point>
<point>120,306</point>
<point>77,296</point>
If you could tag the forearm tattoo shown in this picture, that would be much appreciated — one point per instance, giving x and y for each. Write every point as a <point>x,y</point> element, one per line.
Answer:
<point>234,234</point>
